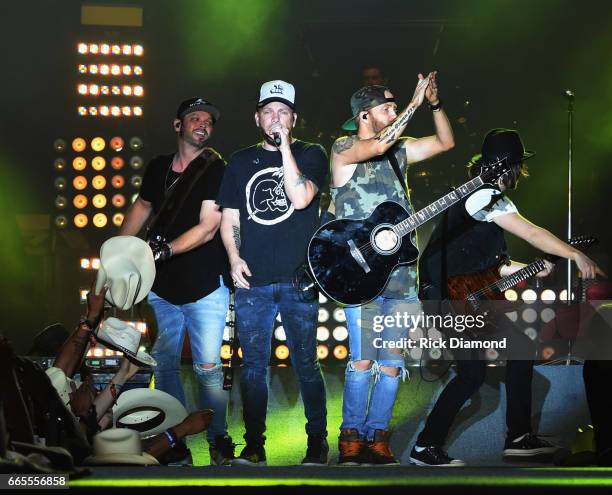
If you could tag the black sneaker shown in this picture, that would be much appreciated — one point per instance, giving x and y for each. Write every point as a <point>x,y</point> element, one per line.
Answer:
<point>222,452</point>
<point>528,445</point>
<point>433,456</point>
<point>378,451</point>
<point>316,453</point>
<point>253,454</point>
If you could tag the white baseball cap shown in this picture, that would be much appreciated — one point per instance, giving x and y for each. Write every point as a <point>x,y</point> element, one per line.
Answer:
<point>277,91</point>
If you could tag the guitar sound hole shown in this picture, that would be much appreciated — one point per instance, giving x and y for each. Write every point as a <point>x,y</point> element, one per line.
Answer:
<point>385,240</point>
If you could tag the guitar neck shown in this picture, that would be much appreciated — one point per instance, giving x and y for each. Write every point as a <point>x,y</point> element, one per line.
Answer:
<point>523,274</point>
<point>425,214</point>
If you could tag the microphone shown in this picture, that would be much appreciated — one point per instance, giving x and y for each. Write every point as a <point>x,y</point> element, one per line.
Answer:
<point>277,139</point>
<point>569,94</point>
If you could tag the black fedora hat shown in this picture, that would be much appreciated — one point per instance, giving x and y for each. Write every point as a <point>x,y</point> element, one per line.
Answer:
<point>502,144</point>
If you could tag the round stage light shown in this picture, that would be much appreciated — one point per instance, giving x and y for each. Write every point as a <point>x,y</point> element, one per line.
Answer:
<point>136,181</point>
<point>322,351</point>
<point>510,295</point>
<point>82,48</point>
<point>490,354</point>
<point>416,353</point>
<point>79,144</point>
<point>138,91</point>
<point>104,89</point>
<point>117,143</point>
<point>116,50</point>
<point>60,183</point>
<point>80,201</point>
<point>115,70</point>
<point>98,182</point>
<point>126,89</point>
<point>279,334</point>
<point>82,69</point>
<point>80,220</point>
<point>105,49</point>
<point>415,334</point>
<point>82,111</point>
<point>531,332</point>
<point>226,351</point>
<point>118,200</point>
<point>118,219</point>
<point>340,333</point>
<point>79,183</point>
<point>79,163</point>
<point>563,296</point>
<point>59,145</point>
<point>118,181</point>
<point>127,70</point>
<point>59,164</point>
<point>94,69</point>
<point>94,89</point>
<point>61,221</point>
<point>126,111</point>
<point>99,201</point>
<point>434,354</point>
<point>126,49</point>
<point>98,163</point>
<point>340,352</point>
<point>322,333</point>
<point>138,50</point>
<point>116,90</point>
<point>136,162</point>
<point>548,296</point>
<point>137,70</point>
<point>82,89</point>
<point>529,315</point>
<point>137,111</point>
<point>323,315</point>
<point>339,315</point>
<point>135,143</point>
<point>60,202</point>
<point>547,352</point>
<point>117,162</point>
<point>98,144</point>
<point>281,352</point>
<point>93,48</point>
<point>92,111</point>
<point>100,220</point>
<point>547,314</point>
<point>529,296</point>
<point>115,111</point>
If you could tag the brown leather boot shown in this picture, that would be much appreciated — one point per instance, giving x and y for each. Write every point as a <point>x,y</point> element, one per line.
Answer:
<point>378,451</point>
<point>350,447</point>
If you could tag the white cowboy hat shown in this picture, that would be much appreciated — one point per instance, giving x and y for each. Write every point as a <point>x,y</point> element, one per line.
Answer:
<point>127,268</point>
<point>119,446</point>
<point>148,411</point>
<point>62,383</point>
<point>118,335</point>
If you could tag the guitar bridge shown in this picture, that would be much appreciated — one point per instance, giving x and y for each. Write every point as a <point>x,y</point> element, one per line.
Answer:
<point>358,257</point>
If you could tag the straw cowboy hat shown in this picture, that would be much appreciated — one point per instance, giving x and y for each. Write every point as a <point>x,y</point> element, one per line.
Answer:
<point>147,411</point>
<point>119,446</point>
<point>118,335</point>
<point>127,268</point>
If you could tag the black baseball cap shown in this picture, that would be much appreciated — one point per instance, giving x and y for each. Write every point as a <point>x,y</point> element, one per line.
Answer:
<point>195,105</point>
<point>364,99</point>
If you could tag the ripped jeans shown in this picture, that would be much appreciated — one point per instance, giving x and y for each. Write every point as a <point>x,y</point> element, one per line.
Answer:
<point>204,319</point>
<point>370,394</point>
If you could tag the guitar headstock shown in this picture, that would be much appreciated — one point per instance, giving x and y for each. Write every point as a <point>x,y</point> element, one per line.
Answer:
<point>583,241</point>
<point>492,172</point>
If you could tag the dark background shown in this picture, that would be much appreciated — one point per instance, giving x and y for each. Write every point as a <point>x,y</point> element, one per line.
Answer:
<point>501,64</point>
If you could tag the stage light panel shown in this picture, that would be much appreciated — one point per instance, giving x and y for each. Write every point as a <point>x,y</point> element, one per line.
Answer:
<point>61,221</point>
<point>281,352</point>
<point>138,91</point>
<point>529,315</point>
<point>79,163</point>
<point>99,201</point>
<point>136,162</point>
<point>117,181</point>
<point>98,144</point>
<point>117,163</point>
<point>340,352</point>
<point>323,315</point>
<point>116,143</point>
<point>60,183</point>
<point>340,333</point>
<point>135,143</point>
<point>529,296</point>
<point>105,49</point>
<point>322,351</point>
<point>548,296</point>
<point>547,314</point>
<point>226,352</point>
<point>118,201</point>
<point>60,202</point>
<point>511,295</point>
<point>79,144</point>
<point>82,48</point>
<point>322,333</point>
<point>339,315</point>
<point>136,181</point>
<point>82,89</point>
<point>59,164</point>
<point>138,50</point>
<point>137,111</point>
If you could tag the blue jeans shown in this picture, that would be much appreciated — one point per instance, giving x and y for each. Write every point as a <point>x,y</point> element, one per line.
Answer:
<point>205,322</point>
<point>256,309</point>
<point>363,409</point>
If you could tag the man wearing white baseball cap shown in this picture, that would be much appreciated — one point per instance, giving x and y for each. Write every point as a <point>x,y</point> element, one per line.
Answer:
<point>190,292</point>
<point>270,201</point>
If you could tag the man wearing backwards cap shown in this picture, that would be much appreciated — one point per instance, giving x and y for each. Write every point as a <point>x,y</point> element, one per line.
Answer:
<point>363,177</point>
<point>270,201</point>
<point>192,279</point>
<point>470,240</point>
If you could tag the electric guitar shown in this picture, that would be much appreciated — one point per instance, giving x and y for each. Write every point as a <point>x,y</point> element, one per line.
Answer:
<point>488,285</point>
<point>351,260</point>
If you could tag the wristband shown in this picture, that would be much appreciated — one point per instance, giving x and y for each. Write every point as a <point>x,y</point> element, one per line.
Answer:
<point>171,437</point>
<point>88,323</point>
<point>437,107</point>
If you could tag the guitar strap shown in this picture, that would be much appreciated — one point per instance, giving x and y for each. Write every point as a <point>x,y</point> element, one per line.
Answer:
<point>398,171</point>
<point>175,198</point>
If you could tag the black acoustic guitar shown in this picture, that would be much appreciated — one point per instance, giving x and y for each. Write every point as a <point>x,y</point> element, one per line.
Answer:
<point>351,260</point>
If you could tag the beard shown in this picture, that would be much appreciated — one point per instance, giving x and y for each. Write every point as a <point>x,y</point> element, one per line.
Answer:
<point>197,143</point>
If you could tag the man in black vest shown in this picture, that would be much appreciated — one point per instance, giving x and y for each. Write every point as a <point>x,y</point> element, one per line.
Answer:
<point>192,280</point>
<point>468,241</point>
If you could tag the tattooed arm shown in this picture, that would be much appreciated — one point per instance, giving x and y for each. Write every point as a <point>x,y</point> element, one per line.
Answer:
<point>230,234</point>
<point>299,189</point>
<point>352,149</point>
